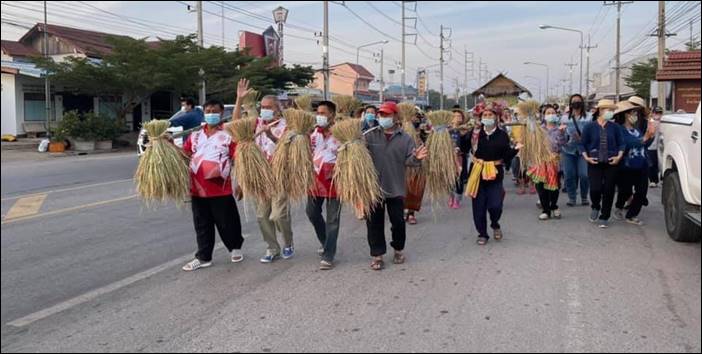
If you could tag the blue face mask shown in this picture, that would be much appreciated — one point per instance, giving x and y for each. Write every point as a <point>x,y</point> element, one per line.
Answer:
<point>488,122</point>
<point>212,118</point>
<point>386,123</point>
<point>552,118</point>
<point>370,117</point>
<point>608,115</point>
<point>267,114</point>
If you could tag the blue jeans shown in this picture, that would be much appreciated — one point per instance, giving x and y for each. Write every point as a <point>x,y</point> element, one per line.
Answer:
<point>575,170</point>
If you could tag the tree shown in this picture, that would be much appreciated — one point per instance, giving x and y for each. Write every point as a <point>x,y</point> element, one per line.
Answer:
<point>641,76</point>
<point>134,71</point>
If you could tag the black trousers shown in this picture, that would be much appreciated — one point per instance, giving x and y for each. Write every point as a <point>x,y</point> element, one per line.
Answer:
<point>602,182</point>
<point>222,213</point>
<point>653,173</point>
<point>489,200</point>
<point>375,224</point>
<point>632,182</point>
<point>548,198</point>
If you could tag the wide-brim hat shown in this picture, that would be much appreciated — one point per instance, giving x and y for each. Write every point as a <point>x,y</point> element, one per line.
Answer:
<point>606,104</point>
<point>625,106</point>
<point>638,101</point>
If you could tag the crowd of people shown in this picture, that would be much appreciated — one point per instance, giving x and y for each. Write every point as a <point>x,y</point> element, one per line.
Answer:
<point>604,154</point>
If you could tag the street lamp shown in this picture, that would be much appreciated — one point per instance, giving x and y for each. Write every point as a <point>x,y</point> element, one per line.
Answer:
<point>280,15</point>
<point>547,73</point>
<point>543,27</point>
<point>537,80</point>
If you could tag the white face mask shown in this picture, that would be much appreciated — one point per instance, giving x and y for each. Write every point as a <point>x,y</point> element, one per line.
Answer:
<point>322,121</point>
<point>386,122</point>
<point>632,118</point>
<point>267,114</point>
<point>552,118</point>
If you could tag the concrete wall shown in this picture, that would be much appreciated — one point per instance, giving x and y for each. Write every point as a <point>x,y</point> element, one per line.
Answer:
<point>9,105</point>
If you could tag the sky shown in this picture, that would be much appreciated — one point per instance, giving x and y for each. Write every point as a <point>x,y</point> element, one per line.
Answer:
<point>501,35</point>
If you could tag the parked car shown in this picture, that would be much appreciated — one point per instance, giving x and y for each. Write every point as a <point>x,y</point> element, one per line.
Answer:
<point>143,139</point>
<point>679,162</point>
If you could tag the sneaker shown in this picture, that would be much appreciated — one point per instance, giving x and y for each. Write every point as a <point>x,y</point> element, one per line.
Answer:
<point>269,257</point>
<point>195,264</point>
<point>451,203</point>
<point>594,213</point>
<point>237,256</point>
<point>619,214</point>
<point>288,252</point>
<point>571,203</point>
<point>634,221</point>
<point>557,214</point>
<point>653,185</point>
<point>325,265</point>
<point>585,202</point>
<point>543,216</point>
<point>603,224</point>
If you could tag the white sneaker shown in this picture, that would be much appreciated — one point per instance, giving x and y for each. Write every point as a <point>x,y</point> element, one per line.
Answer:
<point>543,216</point>
<point>653,185</point>
<point>635,221</point>
<point>557,214</point>
<point>237,256</point>
<point>195,264</point>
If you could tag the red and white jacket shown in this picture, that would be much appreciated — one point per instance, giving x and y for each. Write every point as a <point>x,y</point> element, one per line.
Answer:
<point>212,156</point>
<point>265,143</point>
<point>324,151</point>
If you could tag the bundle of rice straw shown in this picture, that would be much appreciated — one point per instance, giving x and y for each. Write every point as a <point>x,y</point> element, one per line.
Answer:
<point>249,103</point>
<point>537,149</point>
<point>406,111</point>
<point>251,169</point>
<point>355,177</point>
<point>292,165</point>
<point>346,105</point>
<point>440,166</point>
<point>162,173</point>
<point>304,103</point>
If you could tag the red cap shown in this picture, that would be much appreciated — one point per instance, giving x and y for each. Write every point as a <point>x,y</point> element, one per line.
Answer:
<point>388,107</point>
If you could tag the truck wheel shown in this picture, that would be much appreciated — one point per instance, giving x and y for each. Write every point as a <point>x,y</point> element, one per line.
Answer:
<point>676,223</point>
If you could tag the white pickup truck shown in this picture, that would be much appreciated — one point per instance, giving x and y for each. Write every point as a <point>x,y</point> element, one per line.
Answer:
<point>679,162</point>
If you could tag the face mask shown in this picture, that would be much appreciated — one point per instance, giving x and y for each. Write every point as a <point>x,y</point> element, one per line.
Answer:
<point>576,105</point>
<point>552,118</point>
<point>488,122</point>
<point>632,118</point>
<point>370,117</point>
<point>267,114</point>
<point>386,122</point>
<point>322,121</point>
<point>608,115</point>
<point>212,118</point>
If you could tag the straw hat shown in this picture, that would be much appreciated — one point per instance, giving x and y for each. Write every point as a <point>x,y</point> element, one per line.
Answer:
<point>606,104</point>
<point>624,106</point>
<point>638,101</point>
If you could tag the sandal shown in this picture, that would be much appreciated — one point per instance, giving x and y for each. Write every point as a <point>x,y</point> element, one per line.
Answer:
<point>411,219</point>
<point>377,263</point>
<point>482,241</point>
<point>399,258</point>
<point>497,234</point>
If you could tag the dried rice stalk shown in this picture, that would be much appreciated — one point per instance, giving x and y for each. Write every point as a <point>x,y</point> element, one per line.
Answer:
<point>292,165</point>
<point>440,166</point>
<point>355,177</point>
<point>537,149</point>
<point>162,173</point>
<point>249,102</point>
<point>304,103</point>
<point>346,105</point>
<point>251,168</point>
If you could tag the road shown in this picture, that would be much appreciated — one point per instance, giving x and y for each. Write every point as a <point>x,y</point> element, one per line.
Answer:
<point>86,267</point>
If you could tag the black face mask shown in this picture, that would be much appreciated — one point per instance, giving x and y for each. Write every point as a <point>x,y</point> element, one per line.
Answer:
<point>576,105</point>
<point>416,125</point>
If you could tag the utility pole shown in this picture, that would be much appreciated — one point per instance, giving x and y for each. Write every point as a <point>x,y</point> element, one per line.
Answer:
<point>465,76</point>
<point>618,55</point>
<point>570,67</point>
<point>325,51</point>
<point>222,23</point>
<point>47,87</point>
<point>662,35</point>
<point>201,43</point>
<point>587,73</point>
<point>382,81</point>
<point>402,73</point>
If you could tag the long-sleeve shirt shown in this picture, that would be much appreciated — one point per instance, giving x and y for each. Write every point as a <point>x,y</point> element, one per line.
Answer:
<point>390,157</point>
<point>493,147</point>
<point>592,135</point>
<point>557,138</point>
<point>573,138</point>
<point>635,156</point>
